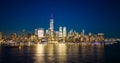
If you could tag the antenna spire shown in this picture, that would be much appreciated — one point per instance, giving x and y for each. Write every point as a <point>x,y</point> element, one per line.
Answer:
<point>51,15</point>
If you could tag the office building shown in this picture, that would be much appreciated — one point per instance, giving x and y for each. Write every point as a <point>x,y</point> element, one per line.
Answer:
<point>64,32</point>
<point>60,32</point>
<point>51,24</point>
<point>36,32</point>
<point>40,33</point>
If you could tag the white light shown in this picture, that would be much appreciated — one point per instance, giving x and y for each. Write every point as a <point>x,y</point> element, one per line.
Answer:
<point>40,33</point>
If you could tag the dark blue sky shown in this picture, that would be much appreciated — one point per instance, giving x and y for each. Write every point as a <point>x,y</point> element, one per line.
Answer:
<point>92,15</point>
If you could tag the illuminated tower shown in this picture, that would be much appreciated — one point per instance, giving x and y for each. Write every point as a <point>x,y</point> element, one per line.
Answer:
<point>51,24</point>
<point>64,31</point>
<point>36,32</point>
<point>60,32</point>
<point>83,31</point>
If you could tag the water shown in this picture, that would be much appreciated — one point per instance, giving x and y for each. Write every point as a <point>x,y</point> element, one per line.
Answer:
<point>61,53</point>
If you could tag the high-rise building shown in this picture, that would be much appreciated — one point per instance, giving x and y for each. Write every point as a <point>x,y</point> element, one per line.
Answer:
<point>36,32</point>
<point>70,33</point>
<point>14,35</point>
<point>40,33</point>
<point>0,35</point>
<point>64,32</point>
<point>51,24</point>
<point>46,32</point>
<point>60,32</point>
<point>83,31</point>
<point>90,34</point>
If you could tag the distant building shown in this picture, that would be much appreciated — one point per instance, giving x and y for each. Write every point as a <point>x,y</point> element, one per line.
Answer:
<point>60,32</point>
<point>83,33</point>
<point>64,32</point>
<point>56,34</point>
<point>36,32</point>
<point>0,35</point>
<point>52,24</point>
<point>101,36</point>
<point>40,33</point>
<point>15,35</point>
<point>46,32</point>
<point>70,33</point>
<point>90,34</point>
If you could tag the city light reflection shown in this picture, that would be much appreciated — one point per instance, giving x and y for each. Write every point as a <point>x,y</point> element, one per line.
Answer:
<point>62,53</point>
<point>39,54</point>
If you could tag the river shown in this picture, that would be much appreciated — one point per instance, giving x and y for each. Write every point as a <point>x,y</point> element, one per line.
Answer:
<point>62,53</point>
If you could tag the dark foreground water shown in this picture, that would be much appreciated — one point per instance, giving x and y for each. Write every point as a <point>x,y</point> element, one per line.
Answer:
<point>62,53</point>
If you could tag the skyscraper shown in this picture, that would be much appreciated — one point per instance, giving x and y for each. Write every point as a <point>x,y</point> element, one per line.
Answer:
<point>60,32</point>
<point>36,32</point>
<point>40,33</point>
<point>51,24</point>
<point>64,32</point>
<point>83,31</point>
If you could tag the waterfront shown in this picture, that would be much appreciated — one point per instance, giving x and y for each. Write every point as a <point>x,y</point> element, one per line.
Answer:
<point>61,53</point>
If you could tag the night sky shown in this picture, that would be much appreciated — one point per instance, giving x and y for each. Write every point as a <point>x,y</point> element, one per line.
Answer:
<point>92,15</point>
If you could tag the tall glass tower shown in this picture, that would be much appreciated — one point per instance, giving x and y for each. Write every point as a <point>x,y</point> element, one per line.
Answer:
<point>64,32</point>
<point>51,24</point>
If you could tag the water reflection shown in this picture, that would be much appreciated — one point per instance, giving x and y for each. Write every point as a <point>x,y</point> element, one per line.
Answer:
<point>39,55</point>
<point>54,53</point>
<point>61,53</point>
<point>68,53</point>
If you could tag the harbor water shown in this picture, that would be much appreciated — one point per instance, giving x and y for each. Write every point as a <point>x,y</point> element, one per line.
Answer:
<point>62,53</point>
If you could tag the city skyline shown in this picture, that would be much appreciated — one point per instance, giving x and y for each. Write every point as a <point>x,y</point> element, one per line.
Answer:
<point>101,16</point>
